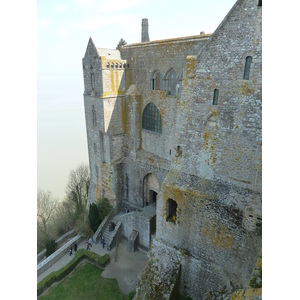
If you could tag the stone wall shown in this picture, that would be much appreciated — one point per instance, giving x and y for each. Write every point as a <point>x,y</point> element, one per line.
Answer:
<point>135,221</point>
<point>162,56</point>
<point>216,182</point>
<point>208,156</point>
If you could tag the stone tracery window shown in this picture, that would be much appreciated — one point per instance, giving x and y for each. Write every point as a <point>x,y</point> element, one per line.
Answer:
<point>172,80</point>
<point>151,119</point>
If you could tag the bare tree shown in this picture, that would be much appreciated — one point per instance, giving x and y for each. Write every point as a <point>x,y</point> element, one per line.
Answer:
<point>78,186</point>
<point>46,205</point>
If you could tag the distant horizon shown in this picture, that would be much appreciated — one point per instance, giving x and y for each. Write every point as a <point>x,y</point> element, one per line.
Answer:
<point>61,133</point>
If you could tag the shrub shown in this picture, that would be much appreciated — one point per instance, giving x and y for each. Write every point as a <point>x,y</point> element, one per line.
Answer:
<point>51,247</point>
<point>94,218</point>
<point>104,208</point>
<point>131,294</point>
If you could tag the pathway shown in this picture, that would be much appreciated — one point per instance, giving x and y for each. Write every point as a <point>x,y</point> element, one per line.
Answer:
<point>124,267</point>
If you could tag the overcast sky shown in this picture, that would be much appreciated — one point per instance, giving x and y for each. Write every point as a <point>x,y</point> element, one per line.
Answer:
<point>64,27</point>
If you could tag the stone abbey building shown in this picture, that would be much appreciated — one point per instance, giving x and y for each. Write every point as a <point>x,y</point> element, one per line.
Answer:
<point>174,134</point>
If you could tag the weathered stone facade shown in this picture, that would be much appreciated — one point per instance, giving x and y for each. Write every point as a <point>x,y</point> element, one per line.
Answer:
<point>177,124</point>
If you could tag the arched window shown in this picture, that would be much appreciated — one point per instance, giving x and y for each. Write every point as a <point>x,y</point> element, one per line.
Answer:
<point>216,96</point>
<point>171,211</point>
<point>259,3</point>
<point>151,118</point>
<point>172,80</point>
<point>156,81</point>
<point>247,67</point>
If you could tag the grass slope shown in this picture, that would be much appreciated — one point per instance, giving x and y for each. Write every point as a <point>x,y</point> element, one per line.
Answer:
<point>85,282</point>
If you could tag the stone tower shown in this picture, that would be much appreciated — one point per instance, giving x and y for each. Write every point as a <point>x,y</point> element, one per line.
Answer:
<point>145,34</point>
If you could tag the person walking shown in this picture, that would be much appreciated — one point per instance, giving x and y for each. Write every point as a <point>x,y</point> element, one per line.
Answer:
<point>75,246</point>
<point>70,250</point>
<point>102,240</point>
<point>90,242</point>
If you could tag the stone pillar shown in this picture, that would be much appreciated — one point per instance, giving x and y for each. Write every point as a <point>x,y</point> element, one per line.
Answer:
<point>145,34</point>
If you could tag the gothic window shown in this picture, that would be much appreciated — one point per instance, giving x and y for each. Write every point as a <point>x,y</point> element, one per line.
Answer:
<point>93,80</point>
<point>124,66</point>
<point>156,81</point>
<point>117,65</point>
<point>172,80</point>
<point>107,65</point>
<point>216,96</point>
<point>151,119</point>
<point>247,67</point>
<point>127,66</point>
<point>171,211</point>
<point>94,115</point>
<point>112,65</point>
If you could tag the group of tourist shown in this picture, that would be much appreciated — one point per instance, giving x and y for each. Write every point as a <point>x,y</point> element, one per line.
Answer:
<point>71,248</point>
<point>89,245</point>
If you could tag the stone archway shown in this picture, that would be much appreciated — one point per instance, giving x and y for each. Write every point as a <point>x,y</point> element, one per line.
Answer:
<point>150,189</point>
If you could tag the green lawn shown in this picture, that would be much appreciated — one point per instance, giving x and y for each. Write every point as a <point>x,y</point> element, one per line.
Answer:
<point>85,282</point>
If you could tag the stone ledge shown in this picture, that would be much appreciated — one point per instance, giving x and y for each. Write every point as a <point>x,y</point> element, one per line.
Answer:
<point>58,254</point>
<point>42,255</point>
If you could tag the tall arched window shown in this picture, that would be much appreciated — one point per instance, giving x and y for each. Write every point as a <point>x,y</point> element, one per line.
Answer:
<point>151,118</point>
<point>156,81</point>
<point>172,80</point>
<point>247,67</point>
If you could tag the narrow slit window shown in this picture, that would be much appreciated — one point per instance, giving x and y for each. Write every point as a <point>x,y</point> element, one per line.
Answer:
<point>152,84</point>
<point>94,115</point>
<point>93,80</point>
<point>247,67</point>
<point>259,3</point>
<point>216,97</point>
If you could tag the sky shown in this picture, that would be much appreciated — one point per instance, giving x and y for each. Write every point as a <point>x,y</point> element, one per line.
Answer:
<point>64,27</point>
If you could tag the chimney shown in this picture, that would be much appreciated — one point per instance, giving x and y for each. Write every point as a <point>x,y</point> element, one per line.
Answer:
<point>145,34</point>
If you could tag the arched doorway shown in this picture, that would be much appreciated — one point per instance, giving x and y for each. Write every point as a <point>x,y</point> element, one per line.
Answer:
<point>150,188</point>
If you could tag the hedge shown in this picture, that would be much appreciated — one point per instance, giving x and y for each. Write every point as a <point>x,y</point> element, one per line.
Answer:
<point>80,255</point>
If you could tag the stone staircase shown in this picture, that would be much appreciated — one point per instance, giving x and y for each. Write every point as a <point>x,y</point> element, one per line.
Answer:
<point>111,236</point>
